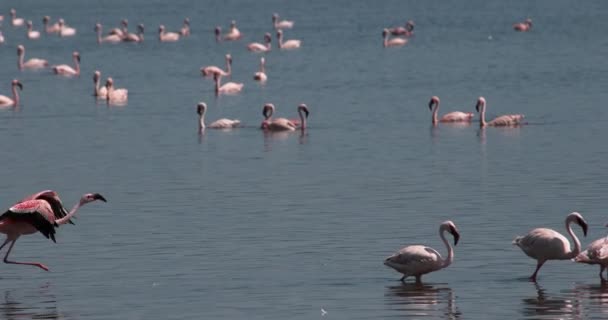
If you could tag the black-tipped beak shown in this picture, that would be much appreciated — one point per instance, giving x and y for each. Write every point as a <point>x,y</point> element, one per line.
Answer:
<point>306,112</point>
<point>456,234</point>
<point>97,196</point>
<point>477,106</point>
<point>265,112</point>
<point>78,58</point>
<point>431,105</point>
<point>20,85</point>
<point>583,225</point>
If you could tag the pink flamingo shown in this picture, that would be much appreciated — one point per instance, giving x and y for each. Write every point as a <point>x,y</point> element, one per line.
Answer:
<point>31,216</point>
<point>281,24</point>
<point>185,30</point>
<point>258,47</point>
<point>227,88</point>
<point>115,96</point>
<point>167,36</point>
<point>394,42</point>
<point>545,244</point>
<point>283,124</point>
<point>8,102</point>
<point>135,37</point>
<point>65,70</point>
<point>54,201</point>
<point>261,75</point>
<point>214,70</point>
<point>523,26</point>
<point>406,31</point>
<point>418,260</point>
<point>65,31</point>
<point>100,92</point>
<point>502,121</point>
<point>113,38</point>
<point>122,31</point>
<point>33,63</point>
<point>455,116</point>
<point>54,28</point>
<point>234,33</point>
<point>596,253</point>
<point>267,113</point>
<point>16,22</point>
<point>201,109</point>
<point>31,33</point>
<point>289,44</point>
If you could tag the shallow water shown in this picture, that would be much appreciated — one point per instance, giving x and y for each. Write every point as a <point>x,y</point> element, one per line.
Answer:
<point>243,224</point>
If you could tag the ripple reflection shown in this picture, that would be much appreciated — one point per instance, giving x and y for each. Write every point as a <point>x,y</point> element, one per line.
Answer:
<point>548,306</point>
<point>423,300</point>
<point>39,303</point>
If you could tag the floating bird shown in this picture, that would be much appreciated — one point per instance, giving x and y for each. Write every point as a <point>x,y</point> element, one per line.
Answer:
<point>64,30</point>
<point>545,244</point>
<point>258,47</point>
<point>289,44</point>
<point>65,70</point>
<point>227,88</point>
<point>523,26</point>
<point>502,121</point>
<point>115,96</point>
<point>135,37</point>
<point>1,37</point>
<point>185,30</point>
<point>394,42</point>
<point>101,92</point>
<point>31,33</point>
<point>406,31</point>
<point>596,253</point>
<point>223,123</point>
<point>16,22</point>
<point>54,28</point>
<point>261,75</point>
<point>213,70</point>
<point>281,24</point>
<point>8,102</point>
<point>283,124</point>
<point>167,36</point>
<point>33,63</point>
<point>113,38</point>
<point>122,31</point>
<point>234,33</point>
<point>455,116</point>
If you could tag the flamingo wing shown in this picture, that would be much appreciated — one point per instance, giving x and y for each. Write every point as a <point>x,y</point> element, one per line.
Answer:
<point>457,116</point>
<point>225,123</point>
<point>543,243</point>
<point>53,200</point>
<point>507,120</point>
<point>4,100</point>
<point>416,259</point>
<point>596,253</point>
<point>38,213</point>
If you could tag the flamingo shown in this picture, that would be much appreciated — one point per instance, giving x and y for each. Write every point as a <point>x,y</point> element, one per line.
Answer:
<point>16,22</point>
<point>545,244</point>
<point>33,63</point>
<point>166,36</point>
<point>261,75</point>
<point>65,70</point>
<point>213,70</point>
<point>281,24</point>
<point>394,42</point>
<point>31,33</point>
<point>258,47</point>
<point>113,38</point>
<point>227,88</point>
<point>54,201</point>
<point>523,26</point>
<point>455,116</point>
<point>279,124</point>
<point>406,31</point>
<point>596,253</point>
<point>185,30</point>
<point>115,96</point>
<point>54,28</point>
<point>8,102</point>
<point>36,215</point>
<point>100,92</point>
<point>417,260</point>
<point>65,31</point>
<point>201,109</point>
<point>289,44</point>
<point>502,121</point>
<point>122,31</point>
<point>138,37</point>
<point>234,33</point>
<point>267,111</point>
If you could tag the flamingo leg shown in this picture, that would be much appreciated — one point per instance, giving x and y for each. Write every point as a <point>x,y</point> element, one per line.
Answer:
<point>538,265</point>
<point>602,267</point>
<point>36,264</point>
<point>5,242</point>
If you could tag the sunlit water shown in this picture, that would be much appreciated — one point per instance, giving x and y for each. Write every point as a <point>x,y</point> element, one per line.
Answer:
<point>247,225</point>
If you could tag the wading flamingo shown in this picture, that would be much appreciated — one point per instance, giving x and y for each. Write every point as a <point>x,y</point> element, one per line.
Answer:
<point>65,70</point>
<point>258,47</point>
<point>33,63</point>
<point>394,42</point>
<point>16,22</point>
<point>31,33</point>
<point>167,36</point>
<point>418,260</point>
<point>406,31</point>
<point>54,201</point>
<point>545,244</point>
<point>31,216</point>
<point>523,26</point>
<point>8,102</point>
<point>185,30</point>
<point>54,28</point>
<point>455,116</point>
<point>281,24</point>
<point>115,96</point>
<point>596,253</point>
<point>227,88</point>
<point>289,44</point>
<point>213,70</point>
<point>233,33</point>
<point>122,31</point>
<point>201,109</point>
<point>113,38</point>
<point>101,92</point>
<point>135,37</point>
<point>261,75</point>
<point>502,121</point>
<point>65,31</point>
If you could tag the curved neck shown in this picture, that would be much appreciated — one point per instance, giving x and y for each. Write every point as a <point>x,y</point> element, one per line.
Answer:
<point>262,66</point>
<point>20,61</point>
<point>72,212</point>
<point>385,42</point>
<point>15,96</point>
<point>228,67</point>
<point>577,244</point>
<point>280,41</point>
<point>217,85</point>
<point>435,111</point>
<point>482,116</point>
<point>302,118</point>
<point>450,256</point>
<point>201,120</point>
<point>96,81</point>
<point>77,65</point>
<point>99,36</point>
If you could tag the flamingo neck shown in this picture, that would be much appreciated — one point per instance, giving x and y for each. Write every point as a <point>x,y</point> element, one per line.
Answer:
<point>217,85</point>
<point>77,65</point>
<point>435,111</point>
<point>302,119</point>
<point>262,67</point>
<point>577,244</point>
<point>72,212</point>
<point>96,87</point>
<point>15,96</point>
<point>99,36</point>
<point>229,67</point>
<point>450,256</point>
<point>201,120</point>
<point>281,41</point>
<point>20,61</point>
<point>482,116</point>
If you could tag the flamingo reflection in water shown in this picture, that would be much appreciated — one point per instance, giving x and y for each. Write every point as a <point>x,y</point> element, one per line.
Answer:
<point>415,299</point>
<point>549,306</point>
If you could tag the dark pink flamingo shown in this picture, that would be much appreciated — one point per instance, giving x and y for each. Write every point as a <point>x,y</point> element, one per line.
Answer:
<point>36,215</point>
<point>54,201</point>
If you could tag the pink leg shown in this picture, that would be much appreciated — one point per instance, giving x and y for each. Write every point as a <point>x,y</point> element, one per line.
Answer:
<point>39,265</point>
<point>538,265</point>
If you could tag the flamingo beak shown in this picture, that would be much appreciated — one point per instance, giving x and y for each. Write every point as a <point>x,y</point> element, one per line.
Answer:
<point>20,85</point>
<point>97,196</point>
<point>456,234</point>
<point>477,106</point>
<point>431,105</point>
<point>583,225</point>
<point>78,58</point>
<point>265,112</point>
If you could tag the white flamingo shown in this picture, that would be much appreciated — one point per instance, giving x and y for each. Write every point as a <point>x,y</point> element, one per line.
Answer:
<point>101,92</point>
<point>167,36</point>
<point>135,37</point>
<point>258,47</point>
<point>502,121</point>
<point>115,96</point>
<point>418,260</point>
<point>234,33</point>
<point>54,28</point>
<point>213,70</point>
<point>223,123</point>
<point>31,33</point>
<point>596,253</point>
<point>281,24</point>
<point>33,63</point>
<point>113,38</point>
<point>456,116</point>
<point>16,22</point>
<point>261,75</point>
<point>12,102</point>
<point>227,88</point>
<point>545,244</point>
<point>65,31</point>
<point>289,44</point>
<point>394,42</point>
<point>65,70</point>
<point>185,30</point>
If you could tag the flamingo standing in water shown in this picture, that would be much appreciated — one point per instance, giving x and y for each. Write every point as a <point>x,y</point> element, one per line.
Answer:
<point>258,47</point>
<point>185,30</point>
<point>406,31</point>
<point>418,260</point>
<point>502,121</point>
<point>8,102</point>
<point>394,42</point>
<point>201,109</point>
<point>261,75</point>
<point>65,70</point>
<point>115,96</point>
<point>456,116</point>
<point>33,63</point>
<point>31,216</point>
<point>523,26</point>
<point>113,38</point>
<point>100,92</point>
<point>167,36</point>
<point>31,33</point>
<point>281,24</point>
<point>54,28</point>
<point>65,31</point>
<point>227,88</point>
<point>16,22</point>
<point>213,70</point>
<point>596,253</point>
<point>545,244</point>
<point>289,44</point>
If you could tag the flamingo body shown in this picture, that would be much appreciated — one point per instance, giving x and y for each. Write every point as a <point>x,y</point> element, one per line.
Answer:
<point>523,26</point>
<point>258,47</point>
<point>65,31</point>
<point>14,101</point>
<point>456,116</point>
<point>31,33</point>
<point>227,88</point>
<point>281,24</point>
<point>167,36</point>
<point>394,42</point>
<point>596,253</point>
<point>289,44</point>
<point>16,22</point>
<point>33,63</point>
<point>501,121</point>
<point>101,92</point>
<point>215,70</point>
<point>115,96</point>
<point>261,75</point>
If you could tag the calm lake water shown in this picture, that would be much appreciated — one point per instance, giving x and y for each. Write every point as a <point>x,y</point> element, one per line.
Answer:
<point>247,225</point>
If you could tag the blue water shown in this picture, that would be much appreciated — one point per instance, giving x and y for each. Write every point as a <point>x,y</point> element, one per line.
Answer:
<point>247,225</point>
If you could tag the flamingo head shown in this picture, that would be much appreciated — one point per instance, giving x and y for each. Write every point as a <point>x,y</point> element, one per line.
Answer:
<point>450,227</point>
<point>385,33</point>
<point>304,109</point>
<point>578,219</point>
<point>20,50</point>
<point>124,23</point>
<point>229,58</point>
<point>409,25</point>
<point>96,75</point>
<point>140,27</point>
<point>434,101</point>
<point>233,24</point>
<point>268,110</point>
<point>481,103</point>
<point>76,55</point>
<point>90,197</point>
<point>161,28</point>
<point>275,17</point>
<point>109,83</point>
<point>201,107</point>
<point>218,31</point>
<point>61,22</point>
<point>267,37</point>
<point>187,21</point>
<point>528,22</point>
<point>279,33</point>
<point>13,12</point>
<point>46,19</point>
<point>97,27</point>
<point>17,83</point>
